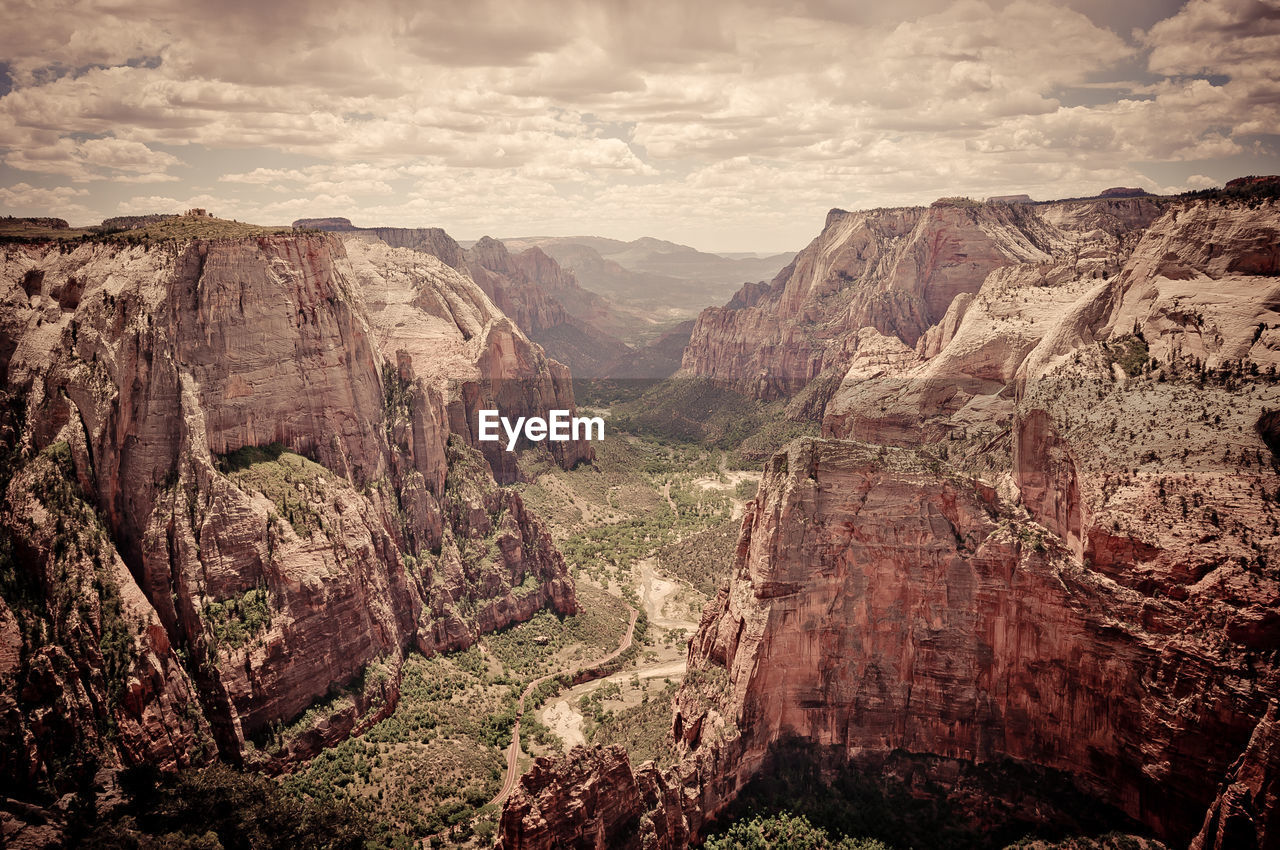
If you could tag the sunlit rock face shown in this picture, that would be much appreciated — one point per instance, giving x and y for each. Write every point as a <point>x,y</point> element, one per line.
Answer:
<point>1041,532</point>
<point>544,301</point>
<point>899,272</point>
<point>247,468</point>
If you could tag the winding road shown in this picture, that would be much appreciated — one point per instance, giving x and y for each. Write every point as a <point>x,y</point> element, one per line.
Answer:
<point>513,752</point>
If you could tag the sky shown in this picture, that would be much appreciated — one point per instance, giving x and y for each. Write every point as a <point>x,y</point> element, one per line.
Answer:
<point>730,126</point>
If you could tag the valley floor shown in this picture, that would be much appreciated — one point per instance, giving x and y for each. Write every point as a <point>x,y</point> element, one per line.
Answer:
<point>648,528</point>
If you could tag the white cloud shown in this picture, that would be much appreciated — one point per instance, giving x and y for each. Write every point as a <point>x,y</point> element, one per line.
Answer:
<point>96,159</point>
<point>23,199</point>
<point>588,115</point>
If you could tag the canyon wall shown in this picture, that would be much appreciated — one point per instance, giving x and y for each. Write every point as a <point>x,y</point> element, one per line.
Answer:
<point>572,324</point>
<point>1060,559</point>
<point>242,481</point>
<point>897,271</point>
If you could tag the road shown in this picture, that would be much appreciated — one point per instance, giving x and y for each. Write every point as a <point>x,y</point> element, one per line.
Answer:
<point>513,752</point>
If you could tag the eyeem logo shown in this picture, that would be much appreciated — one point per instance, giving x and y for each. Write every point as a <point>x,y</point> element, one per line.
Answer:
<point>560,427</point>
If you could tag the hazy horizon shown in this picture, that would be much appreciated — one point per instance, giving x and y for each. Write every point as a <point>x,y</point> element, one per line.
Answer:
<point>731,127</point>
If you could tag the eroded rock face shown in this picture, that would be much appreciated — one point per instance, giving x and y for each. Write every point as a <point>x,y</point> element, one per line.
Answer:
<point>1061,556</point>
<point>267,443</point>
<point>899,272</point>
<point>880,608</point>
<point>593,799</point>
<point>877,610</point>
<point>529,287</point>
<point>1244,812</point>
<point>437,324</point>
<point>85,663</point>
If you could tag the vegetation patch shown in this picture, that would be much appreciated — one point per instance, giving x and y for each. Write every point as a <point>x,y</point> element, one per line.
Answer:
<point>433,765</point>
<point>703,558</point>
<point>292,482</point>
<point>644,729</point>
<point>784,830</point>
<point>700,411</point>
<point>234,621</point>
<point>219,808</point>
<point>548,642</point>
<point>1130,352</point>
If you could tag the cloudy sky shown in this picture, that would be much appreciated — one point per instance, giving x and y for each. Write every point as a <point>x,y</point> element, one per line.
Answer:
<point>730,126</point>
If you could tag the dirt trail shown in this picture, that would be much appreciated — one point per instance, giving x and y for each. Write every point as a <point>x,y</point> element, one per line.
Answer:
<point>513,752</point>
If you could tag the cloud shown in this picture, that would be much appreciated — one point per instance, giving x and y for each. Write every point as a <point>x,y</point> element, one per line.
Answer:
<point>585,114</point>
<point>1200,181</point>
<point>25,195</point>
<point>61,201</point>
<point>1234,37</point>
<point>95,159</point>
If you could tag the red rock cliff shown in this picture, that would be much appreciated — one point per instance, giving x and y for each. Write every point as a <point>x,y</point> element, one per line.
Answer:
<point>1104,610</point>
<point>264,443</point>
<point>897,271</point>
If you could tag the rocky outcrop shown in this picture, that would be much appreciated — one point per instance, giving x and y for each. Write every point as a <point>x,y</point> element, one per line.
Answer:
<point>593,799</point>
<point>85,663</point>
<point>1059,561</point>
<point>547,303</point>
<point>898,271</point>
<point>878,610</point>
<point>543,300</point>
<point>267,494</point>
<point>438,326</point>
<point>1245,811</point>
<point>962,388</point>
<point>332,223</point>
<point>1018,631</point>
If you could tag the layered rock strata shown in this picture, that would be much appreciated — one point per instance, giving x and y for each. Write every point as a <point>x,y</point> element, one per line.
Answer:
<point>241,479</point>
<point>898,271</point>
<point>529,287</point>
<point>1061,557</point>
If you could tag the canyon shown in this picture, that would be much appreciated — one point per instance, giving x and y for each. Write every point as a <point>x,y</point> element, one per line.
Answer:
<point>1037,538</point>
<point>243,476</point>
<point>649,275</point>
<point>1020,569</point>
<point>574,326</point>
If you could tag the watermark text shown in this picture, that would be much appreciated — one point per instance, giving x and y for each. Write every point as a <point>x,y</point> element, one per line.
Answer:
<point>559,426</point>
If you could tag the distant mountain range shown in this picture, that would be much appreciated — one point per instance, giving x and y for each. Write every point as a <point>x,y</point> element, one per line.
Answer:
<point>652,275</point>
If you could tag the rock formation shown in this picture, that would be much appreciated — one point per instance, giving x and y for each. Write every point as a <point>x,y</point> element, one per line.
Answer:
<point>242,477</point>
<point>1061,560</point>
<point>543,300</point>
<point>895,270</point>
<point>653,276</point>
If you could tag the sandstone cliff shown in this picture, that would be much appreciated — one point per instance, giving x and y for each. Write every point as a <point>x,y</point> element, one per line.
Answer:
<point>242,479</point>
<point>545,301</point>
<point>1060,561</point>
<point>548,304</point>
<point>897,271</point>
<point>960,384</point>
